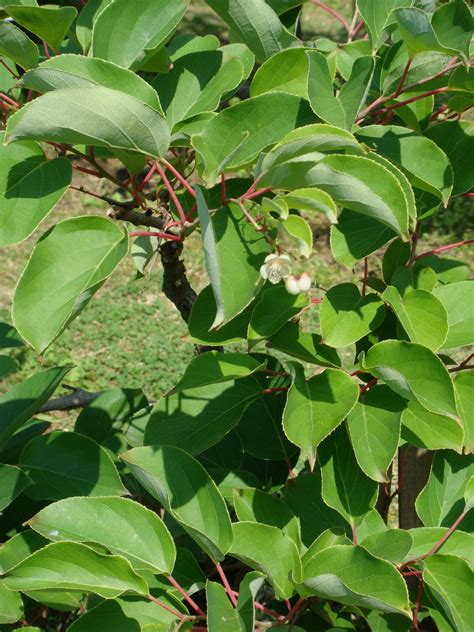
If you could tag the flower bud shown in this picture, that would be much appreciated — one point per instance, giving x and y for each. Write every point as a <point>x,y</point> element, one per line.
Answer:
<point>298,284</point>
<point>275,268</point>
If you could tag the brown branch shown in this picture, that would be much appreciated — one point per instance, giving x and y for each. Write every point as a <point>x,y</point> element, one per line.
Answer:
<point>78,399</point>
<point>125,213</point>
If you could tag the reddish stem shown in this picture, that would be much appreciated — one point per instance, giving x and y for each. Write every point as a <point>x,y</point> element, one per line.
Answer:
<point>366,276</point>
<point>136,193</point>
<point>438,113</point>
<point>259,606</point>
<point>275,390</point>
<point>254,194</point>
<point>191,212</point>
<point>46,50</point>
<point>145,233</point>
<point>400,104</point>
<point>148,177</point>
<point>223,190</point>
<point>412,573</point>
<point>177,175</point>
<point>442,540</point>
<point>416,611</point>
<point>13,74</point>
<point>91,172</point>
<point>8,100</point>
<point>184,594</point>
<point>172,611</point>
<point>368,386</point>
<point>332,12</point>
<point>468,195</point>
<point>444,248</point>
<point>252,187</point>
<point>354,535</point>
<point>172,193</point>
<point>404,76</point>
<point>226,584</point>
<point>292,612</point>
<point>357,28</point>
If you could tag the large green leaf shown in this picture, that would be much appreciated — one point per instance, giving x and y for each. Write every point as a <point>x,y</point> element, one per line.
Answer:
<point>254,23</point>
<point>374,429</point>
<point>221,615</point>
<point>316,406</point>
<point>450,579</point>
<point>14,482</point>
<point>391,545</point>
<point>30,187</point>
<point>452,24</point>
<point>458,300</point>
<point>49,23</point>
<point>414,372</point>
<point>345,487</point>
<point>19,547</point>
<point>378,18</point>
<point>311,201</point>
<point>441,501</point>
<point>256,545</point>
<point>86,19</point>
<point>234,252</point>
<point>23,400</point>
<point>71,566</point>
<point>67,266</point>
<point>429,430</point>
<point>92,115</point>
<point>354,182</point>
<point>17,46</point>
<point>187,492</point>
<point>424,539</point>
<point>197,83</point>
<point>287,71</point>
<point>153,22</point>
<point>197,418</point>
<point>346,316</point>
<point>11,605</point>
<point>352,576</point>
<point>464,387</point>
<point>248,127</point>
<point>456,139</point>
<point>411,310</point>
<point>63,464</point>
<point>296,343</point>
<point>72,71</point>
<point>417,32</point>
<point>123,526</point>
<point>425,164</point>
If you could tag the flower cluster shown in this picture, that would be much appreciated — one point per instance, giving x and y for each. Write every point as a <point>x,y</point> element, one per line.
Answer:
<point>278,267</point>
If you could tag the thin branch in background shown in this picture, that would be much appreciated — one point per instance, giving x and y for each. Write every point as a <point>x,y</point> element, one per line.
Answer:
<point>356,30</point>
<point>101,196</point>
<point>136,193</point>
<point>179,177</point>
<point>332,12</point>
<point>8,100</point>
<point>247,215</point>
<point>86,170</point>
<point>404,76</point>
<point>185,595</point>
<point>444,248</point>
<point>13,74</point>
<point>172,193</point>
<point>352,26</point>
<point>165,606</point>
<point>419,97</point>
<point>78,399</point>
<point>223,190</point>
<point>148,177</point>
<point>226,584</point>
<point>366,276</point>
<point>46,50</point>
<point>191,212</point>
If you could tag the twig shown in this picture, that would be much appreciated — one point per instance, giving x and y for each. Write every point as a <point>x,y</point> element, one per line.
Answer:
<point>105,198</point>
<point>148,176</point>
<point>145,233</point>
<point>404,76</point>
<point>185,595</point>
<point>223,190</point>
<point>226,584</point>
<point>8,100</point>
<point>332,12</point>
<point>368,386</point>
<point>172,193</point>
<point>78,399</point>
<point>254,194</point>
<point>419,97</point>
<point>163,605</point>
<point>444,248</point>
<point>259,606</point>
<point>366,276</point>
<point>416,611</point>
<point>181,179</point>
<point>124,213</point>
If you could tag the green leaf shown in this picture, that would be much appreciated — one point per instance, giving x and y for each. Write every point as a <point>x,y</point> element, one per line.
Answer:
<point>452,24</point>
<point>450,579</point>
<point>202,317</point>
<point>353,182</point>
<point>425,164</point>
<point>138,534</point>
<point>311,201</point>
<point>346,316</point>
<point>350,575</point>
<point>187,492</point>
<point>316,406</point>
<point>234,253</point>
<point>274,307</point>
<point>153,23</point>
<point>253,505</point>
<point>291,340</point>
<point>30,187</point>
<point>464,387</point>
<point>411,310</point>
<point>9,338</point>
<point>255,545</point>
<point>357,236</point>
<point>14,481</point>
<point>23,400</point>
<point>47,460</point>
<point>345,487</point>
<point>92,115</point>
<point>417,33</point>
<point>49,23</point>
<point>374,429</point>
<point>378,17</point>
<point>441,501</point>
<point>254,23</point>
<point>69,263</point>
<point>197,83</point>
<point>249,127</point>
<point>396,255</point>
<point>456,139</point>
<point>458,301</point>
<point>429,430</point>
<point>73,71</point>
<point>298,229</point>
<point>197,418</point>
<point>8,365</point>
<point>71,566</point>
<point>391,545</point>
<point>214,367</point>
<point>86,19</point>
<point>286,71</point>
<point>18,548</point>
<point>128,614</point>
<point>414,372</point>
<point>425,538</point>
<point>221,615</point>
<point>11,605</point>
<point>17,46</point>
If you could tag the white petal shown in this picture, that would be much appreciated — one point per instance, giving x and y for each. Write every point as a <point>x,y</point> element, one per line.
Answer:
<point>264,271</point>
<point>304,282</point>
<point>270,258</point>
<point>292,285</point>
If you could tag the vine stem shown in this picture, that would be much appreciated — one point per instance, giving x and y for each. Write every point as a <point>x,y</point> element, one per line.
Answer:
<point>223,190</point>
<point>468,195</point>
<point>163,605</point>
<point>259,606</point>
<point>404,76</point>
<point>368,386</point>
<point>332,12</point>
<point>227,586</point>
<point>366,276</point>
<point>7,99</point>
<point>85,170</point>
<point>184,594</point>
<point>444,248</point>
<point>254,194</point>
<point>172,193</point>
<point>145,233</point>
<point>416,611</point>
<point>292,612</point>
<point>148,177</point>
<point>419,97</point>
<point>13,74</point>
<point>179,177</point>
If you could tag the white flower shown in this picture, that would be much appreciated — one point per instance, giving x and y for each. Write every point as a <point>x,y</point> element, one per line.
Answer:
<point>275,268</point>
<point>298,284</point>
